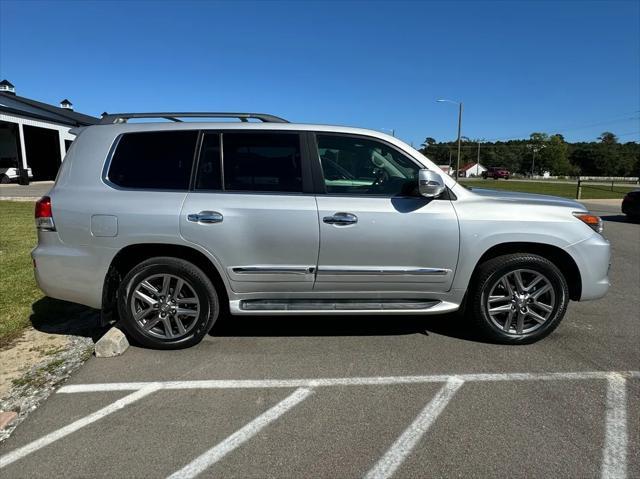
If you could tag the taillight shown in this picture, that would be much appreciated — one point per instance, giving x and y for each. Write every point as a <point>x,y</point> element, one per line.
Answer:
<point>44,217</point>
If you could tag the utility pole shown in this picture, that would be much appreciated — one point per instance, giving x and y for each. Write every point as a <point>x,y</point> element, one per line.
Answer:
<point>459,103</point>
<point>478,161</point>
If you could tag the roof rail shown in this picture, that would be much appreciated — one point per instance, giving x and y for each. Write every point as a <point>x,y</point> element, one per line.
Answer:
<point>110,118</point>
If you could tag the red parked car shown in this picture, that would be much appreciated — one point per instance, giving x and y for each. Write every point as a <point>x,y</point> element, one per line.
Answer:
<point>496,172</point>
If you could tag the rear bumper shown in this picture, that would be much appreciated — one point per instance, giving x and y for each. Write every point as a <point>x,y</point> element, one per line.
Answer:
<point>593,258</point>
<point>69,273</point>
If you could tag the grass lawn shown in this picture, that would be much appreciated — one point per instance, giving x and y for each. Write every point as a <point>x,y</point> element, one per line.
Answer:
<point>18,290</point>
<point>589,191</point>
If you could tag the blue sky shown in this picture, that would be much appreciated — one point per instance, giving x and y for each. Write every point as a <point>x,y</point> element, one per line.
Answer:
<point>570,67</point>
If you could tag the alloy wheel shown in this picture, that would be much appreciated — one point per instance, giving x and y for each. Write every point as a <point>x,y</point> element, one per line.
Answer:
<point>165,306</point>
<point>521,301</point>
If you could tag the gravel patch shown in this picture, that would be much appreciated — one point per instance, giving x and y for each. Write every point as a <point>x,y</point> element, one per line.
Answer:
<point>42,379</point>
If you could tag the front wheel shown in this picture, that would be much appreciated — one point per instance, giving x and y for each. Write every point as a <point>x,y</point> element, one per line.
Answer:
<point>519,298</point>
<point>167,303</point>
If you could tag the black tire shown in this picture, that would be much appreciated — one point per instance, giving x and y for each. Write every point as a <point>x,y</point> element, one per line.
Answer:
<point>4,179</point>
<point>195,278</point>
<point>491,271</point>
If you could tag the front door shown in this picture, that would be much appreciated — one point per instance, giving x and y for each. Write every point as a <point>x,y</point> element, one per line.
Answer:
<point>376,234</point>
<point>249,209</point>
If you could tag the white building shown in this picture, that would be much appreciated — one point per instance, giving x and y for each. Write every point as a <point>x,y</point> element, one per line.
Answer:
<point>471,169</point>
<point>34,134</point>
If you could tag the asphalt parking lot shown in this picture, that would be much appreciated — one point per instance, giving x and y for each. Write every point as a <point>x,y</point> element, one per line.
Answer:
<point>359,397</point>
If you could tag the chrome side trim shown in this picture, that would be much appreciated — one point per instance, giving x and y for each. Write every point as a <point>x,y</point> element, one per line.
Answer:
<point>346,271</point>
<point>273,270</point>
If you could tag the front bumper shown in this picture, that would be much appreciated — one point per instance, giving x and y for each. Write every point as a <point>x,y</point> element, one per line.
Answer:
<point>593,258</point>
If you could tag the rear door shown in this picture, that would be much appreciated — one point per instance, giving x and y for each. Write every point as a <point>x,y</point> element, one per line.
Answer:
<point>376,233</point>
<point>252,207</point>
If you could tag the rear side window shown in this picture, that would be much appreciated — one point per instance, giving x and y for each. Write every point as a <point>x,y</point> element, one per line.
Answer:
<point>159,160</point>
<point>209,175</point>
<point>262,162</point>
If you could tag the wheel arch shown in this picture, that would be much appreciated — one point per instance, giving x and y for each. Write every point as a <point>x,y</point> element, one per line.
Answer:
<point>556,255</point>
<point>131,255</point>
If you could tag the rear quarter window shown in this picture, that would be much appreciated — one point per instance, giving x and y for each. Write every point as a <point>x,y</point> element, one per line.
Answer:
<point>160,160</point>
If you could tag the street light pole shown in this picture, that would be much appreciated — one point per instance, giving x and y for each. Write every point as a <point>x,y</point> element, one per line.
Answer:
<point>459,140</point>
<point>535,149</point>
<point>459,103</point>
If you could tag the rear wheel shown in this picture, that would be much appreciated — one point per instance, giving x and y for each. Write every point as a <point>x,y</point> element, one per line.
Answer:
<point>519,298</point>
<point>4,179</point>
<point>167,303</point>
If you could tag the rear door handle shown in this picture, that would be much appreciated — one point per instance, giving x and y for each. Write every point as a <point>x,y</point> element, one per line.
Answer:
<point>206,217</point>
<point>341,219</point>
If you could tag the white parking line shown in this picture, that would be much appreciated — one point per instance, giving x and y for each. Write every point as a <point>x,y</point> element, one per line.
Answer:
<point>241,436</point>
<point>74,426</point>
<point>614,462</point>
<point>407,441</point>
<point>354,381</point>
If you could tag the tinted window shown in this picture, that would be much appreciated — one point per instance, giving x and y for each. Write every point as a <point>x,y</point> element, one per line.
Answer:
<point>262,162</point>
<point>156,160</point>
<point>353,165</point>
<point>209,172</point>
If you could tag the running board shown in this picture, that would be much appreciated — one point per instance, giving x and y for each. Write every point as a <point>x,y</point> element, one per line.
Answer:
<point>342,305</point>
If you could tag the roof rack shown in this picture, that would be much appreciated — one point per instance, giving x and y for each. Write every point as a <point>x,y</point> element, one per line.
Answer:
<point>110,118</point>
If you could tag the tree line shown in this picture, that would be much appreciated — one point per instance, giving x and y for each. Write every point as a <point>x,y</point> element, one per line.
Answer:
<point>542,152</point>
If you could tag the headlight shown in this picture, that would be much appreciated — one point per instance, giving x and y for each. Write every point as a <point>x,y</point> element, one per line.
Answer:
<point>592,221</point>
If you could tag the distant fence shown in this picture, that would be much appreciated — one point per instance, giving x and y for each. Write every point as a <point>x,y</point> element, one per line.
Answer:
<point>605,183</point>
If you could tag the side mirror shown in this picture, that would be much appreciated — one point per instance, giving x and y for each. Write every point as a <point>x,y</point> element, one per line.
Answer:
<point>430,183</point>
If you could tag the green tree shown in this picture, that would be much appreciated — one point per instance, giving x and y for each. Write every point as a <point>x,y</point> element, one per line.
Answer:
<point>608,138</point>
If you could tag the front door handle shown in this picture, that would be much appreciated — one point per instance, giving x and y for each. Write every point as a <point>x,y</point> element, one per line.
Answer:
<point>341,219</point>
<point>206,217</point>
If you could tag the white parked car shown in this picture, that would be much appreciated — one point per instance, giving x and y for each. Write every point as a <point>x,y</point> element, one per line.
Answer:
<point>9,170</point>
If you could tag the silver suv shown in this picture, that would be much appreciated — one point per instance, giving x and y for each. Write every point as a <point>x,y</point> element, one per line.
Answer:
<point>165,226</point>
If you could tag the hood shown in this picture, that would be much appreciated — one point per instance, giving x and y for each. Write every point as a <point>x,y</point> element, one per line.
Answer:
<point>529,198</point>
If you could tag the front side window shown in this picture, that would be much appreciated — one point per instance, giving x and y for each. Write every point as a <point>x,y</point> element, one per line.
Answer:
<point>360,166</point>
<point>159,160</point>
<point>262,162</point>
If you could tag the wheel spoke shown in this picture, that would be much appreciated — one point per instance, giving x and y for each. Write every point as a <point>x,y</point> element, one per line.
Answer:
<point>168,329</point>
<point>509,321</point>
<point>151,323</point>
<point>537,279</point>
<point>495,299</point>
<point>536,316</point>
<point>166,280</point>
<point>181,328</point>
<point>519,283</point>
<point>143,297</point>
<point>149,287</point>
<point>179,285</point>
<point>187,301</point>
<point>545,307</point>
<point>142,313</point>
<point>541,291</point>
<point>186,312</point>
<point>500,309</point>
<point>507,285</point>
<point>520,323</point>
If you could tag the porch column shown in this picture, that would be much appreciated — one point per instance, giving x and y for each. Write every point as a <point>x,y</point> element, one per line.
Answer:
<point>21,146</point>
